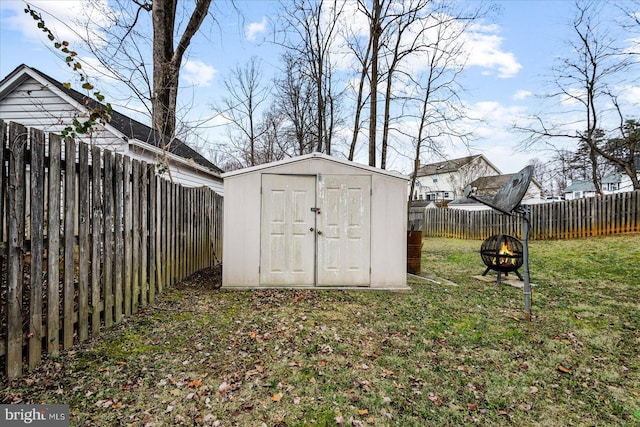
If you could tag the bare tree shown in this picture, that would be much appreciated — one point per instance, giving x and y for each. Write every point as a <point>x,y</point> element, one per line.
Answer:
<point>167,59</point>
<point>440,106</point>
<point>120,40</point>
<point>363,57</point>
<point>404,37</point>
<point>294,98</point>
<point>375,33</point>
<point>310,31</point>
<point>589,76</point>
<point>241,106</point>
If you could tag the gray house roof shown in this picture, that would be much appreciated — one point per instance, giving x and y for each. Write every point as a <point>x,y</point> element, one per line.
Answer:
<point>612,178</point>
<point>450,166</point>
<point>579,185</point>
<point>489,185</point>
<point>128,126</point>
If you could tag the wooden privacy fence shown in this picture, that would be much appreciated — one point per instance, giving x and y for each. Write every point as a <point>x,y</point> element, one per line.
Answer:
<point>87,239</point>
<point>595,216</point>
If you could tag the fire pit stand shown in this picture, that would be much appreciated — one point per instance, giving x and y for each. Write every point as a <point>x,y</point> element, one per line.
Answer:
<point>507,201</point>
<point>502,253</point>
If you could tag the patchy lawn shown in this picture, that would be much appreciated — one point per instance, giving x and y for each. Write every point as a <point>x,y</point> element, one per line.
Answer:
<point>446,354</point>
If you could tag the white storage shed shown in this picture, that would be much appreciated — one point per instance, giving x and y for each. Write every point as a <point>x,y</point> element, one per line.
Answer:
<point>315,221</point>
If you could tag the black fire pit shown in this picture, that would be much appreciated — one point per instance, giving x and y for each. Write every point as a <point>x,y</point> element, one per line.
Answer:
<point>502,253</point>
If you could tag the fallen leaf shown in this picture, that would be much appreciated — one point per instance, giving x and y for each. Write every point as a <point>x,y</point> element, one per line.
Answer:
<point>533,389</point>
<point>339,419</point>
<point>276,397</point>
<point>472,406</point>
<point>563,369</point>
<point>363,411</point>
<point>195,383</point>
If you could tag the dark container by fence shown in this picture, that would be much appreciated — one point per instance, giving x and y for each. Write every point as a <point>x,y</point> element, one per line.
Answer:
<point>414,252</point>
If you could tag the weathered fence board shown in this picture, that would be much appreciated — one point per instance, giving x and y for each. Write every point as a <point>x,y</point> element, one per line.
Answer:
<point>69,241</point>
<point>108,238</point>
<point>15,226</point>
<point>128,261</point>
<point>118,254</point>
<point>135,224</point>
<point>37,247</point>
<point>96,238</point>
<point>53,247</point>
<point>110,234</point>
<point>83,242</point>
<point>595,216</point>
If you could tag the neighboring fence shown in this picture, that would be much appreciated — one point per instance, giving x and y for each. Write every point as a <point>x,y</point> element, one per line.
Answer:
<point>83,246</point>
<point>595,216</point>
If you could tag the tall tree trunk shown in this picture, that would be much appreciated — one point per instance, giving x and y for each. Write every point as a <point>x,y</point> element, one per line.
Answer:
<point>167,60</point>
<point>375,30</point>
<point>385,123</point>
<point>359,103</point>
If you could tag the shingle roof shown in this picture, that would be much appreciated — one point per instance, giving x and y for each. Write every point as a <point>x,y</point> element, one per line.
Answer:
<point>489,185</point>
<point>612,178</point>
<point>128,126</point>
<point>446,166</point>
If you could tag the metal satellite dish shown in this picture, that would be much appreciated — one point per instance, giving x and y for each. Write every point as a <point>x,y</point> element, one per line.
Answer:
<point>509,195</point>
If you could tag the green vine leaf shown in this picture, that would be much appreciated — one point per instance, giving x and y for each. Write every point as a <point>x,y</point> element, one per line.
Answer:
<point>95,115</point>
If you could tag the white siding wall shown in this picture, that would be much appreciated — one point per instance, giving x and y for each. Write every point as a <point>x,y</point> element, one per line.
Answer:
<point>37,106</point>
<point>34,105</point>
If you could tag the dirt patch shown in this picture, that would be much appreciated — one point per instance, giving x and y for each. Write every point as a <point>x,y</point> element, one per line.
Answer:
<point>207,278</point>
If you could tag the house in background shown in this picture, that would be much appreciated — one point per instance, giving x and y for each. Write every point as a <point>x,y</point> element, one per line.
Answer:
<point>612,183</point>
<point>488,186</point>
<point>445,181</point>
<point>579,189</point>
<point>33,99</point>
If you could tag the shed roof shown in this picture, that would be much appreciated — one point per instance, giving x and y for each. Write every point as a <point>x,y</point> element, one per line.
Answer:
<point>314,157</point>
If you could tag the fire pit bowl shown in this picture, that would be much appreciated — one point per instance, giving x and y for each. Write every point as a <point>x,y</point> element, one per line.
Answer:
<point>502,253</point>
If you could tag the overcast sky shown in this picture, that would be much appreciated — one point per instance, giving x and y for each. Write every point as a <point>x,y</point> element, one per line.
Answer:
<point>512,54</point>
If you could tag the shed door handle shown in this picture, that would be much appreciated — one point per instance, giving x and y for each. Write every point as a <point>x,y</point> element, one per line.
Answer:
<point>311,229</point>
<point>319,233</point>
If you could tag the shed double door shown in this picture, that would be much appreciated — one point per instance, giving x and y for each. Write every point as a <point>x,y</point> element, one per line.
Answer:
<point>315,230</point>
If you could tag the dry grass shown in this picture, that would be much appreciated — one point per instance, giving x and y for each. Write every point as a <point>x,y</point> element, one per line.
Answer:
<point>441,355</point>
